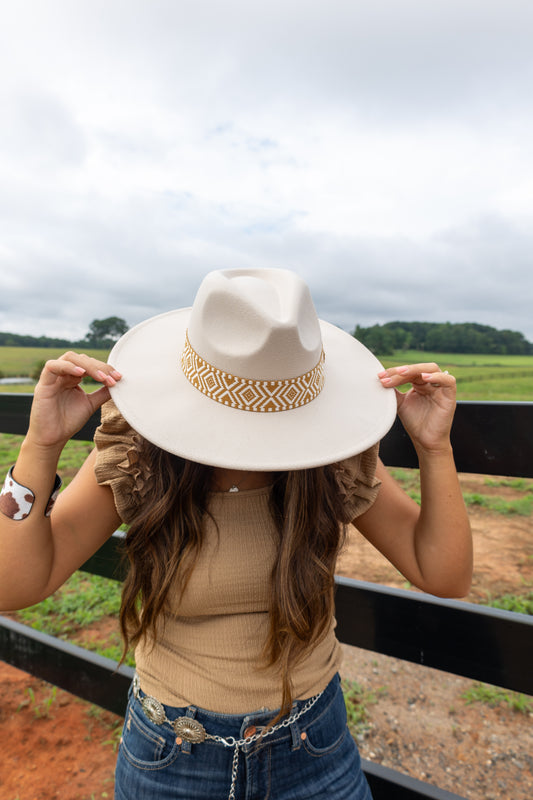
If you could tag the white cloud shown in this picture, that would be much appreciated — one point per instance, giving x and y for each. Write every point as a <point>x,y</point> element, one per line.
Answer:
<point>383,150</point>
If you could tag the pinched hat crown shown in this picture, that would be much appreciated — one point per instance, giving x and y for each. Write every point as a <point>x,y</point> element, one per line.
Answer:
<point>260,326</point>
<point>254,342</point>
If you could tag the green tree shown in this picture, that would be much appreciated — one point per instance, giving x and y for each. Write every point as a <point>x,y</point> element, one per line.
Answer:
<point>442,337</point>
<point>377,338</point>
<point>104,332</point>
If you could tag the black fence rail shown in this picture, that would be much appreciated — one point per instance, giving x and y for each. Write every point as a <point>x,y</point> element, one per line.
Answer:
<point>473,641</point>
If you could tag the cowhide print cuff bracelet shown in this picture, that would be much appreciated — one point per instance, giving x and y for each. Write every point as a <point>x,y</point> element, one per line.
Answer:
<point>16,501</point>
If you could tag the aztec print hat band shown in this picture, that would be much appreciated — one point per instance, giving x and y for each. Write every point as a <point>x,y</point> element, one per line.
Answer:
<point>250,378</point>
<point>251,395</point>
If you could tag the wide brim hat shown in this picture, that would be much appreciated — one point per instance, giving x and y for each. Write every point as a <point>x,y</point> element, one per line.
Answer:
<point>249,378</point>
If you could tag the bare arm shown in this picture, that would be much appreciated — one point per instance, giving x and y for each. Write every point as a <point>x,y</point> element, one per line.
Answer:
<point>37,554</point>
<point>430,544</point>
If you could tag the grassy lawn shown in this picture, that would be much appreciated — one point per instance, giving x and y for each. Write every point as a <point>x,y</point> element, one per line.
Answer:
<point>24,361</point>
<point>479,377</point>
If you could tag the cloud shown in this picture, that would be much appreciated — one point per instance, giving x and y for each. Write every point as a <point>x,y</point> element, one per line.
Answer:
<point>382,150</point>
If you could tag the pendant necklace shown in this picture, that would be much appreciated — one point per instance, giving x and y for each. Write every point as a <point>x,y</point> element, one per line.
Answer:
<point>235,486</point>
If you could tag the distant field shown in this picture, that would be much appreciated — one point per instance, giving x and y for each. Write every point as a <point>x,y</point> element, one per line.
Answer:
<point>459,359</point>
<point>479,377</point>
<point>24,361</point>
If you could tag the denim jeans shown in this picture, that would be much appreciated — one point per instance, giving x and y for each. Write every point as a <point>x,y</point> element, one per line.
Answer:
<point>314,757</point>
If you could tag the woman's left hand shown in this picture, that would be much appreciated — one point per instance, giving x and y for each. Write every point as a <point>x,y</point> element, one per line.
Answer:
<point>427,409</point>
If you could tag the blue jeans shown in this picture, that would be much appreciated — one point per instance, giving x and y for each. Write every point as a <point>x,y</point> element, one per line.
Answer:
<point>314,757</point>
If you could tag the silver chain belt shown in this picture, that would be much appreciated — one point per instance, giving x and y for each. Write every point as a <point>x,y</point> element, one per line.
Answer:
<point>190,730</point>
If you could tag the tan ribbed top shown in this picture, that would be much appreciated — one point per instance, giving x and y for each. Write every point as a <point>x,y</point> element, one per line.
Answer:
<point>209,644</point>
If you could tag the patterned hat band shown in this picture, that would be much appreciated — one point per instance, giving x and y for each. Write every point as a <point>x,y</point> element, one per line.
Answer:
<point>247,394</point>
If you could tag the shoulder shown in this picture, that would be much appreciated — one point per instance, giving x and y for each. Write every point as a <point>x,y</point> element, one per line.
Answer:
<point>357,482</point>
<point>118,462</point>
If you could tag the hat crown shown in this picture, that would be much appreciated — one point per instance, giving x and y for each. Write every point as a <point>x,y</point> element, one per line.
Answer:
<point>259,324</point>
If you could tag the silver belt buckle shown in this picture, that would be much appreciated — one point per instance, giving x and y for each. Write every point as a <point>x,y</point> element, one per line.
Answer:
<point>189,729</point>
<point>185,728</point>
<point>153,710</point>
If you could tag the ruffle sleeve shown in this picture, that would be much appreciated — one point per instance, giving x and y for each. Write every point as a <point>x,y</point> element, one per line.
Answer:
<point>357,482</point>
<point>118,464</point>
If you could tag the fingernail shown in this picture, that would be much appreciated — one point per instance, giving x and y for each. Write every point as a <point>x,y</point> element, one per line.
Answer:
<point>382,374</point>
<point>386,380</point>
<point>116,374</point>
<point>106,378</point>
<point>79,370</point>
<point>402,370</point>
<point>425,375</point>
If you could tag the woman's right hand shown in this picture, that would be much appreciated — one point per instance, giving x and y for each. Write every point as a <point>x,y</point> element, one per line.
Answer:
<point>60,406</point>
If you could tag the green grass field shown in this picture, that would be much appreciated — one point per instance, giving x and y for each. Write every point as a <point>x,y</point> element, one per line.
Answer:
<point>479,377</point>
<point>24,361</point>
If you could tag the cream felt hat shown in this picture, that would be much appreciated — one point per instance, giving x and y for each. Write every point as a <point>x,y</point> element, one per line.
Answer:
<point>249,378</point>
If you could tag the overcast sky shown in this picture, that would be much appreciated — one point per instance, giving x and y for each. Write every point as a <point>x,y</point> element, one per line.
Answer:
<point>382,150</point>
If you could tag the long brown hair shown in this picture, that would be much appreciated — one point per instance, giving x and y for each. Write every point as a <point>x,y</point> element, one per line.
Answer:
<point>165,539</point>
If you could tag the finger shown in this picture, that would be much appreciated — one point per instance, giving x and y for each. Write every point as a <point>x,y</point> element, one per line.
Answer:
<point>439,379</point>
<point>99,371</point>
<point>98,397</point>
<point>55,368</point>
<point>397,376</point>
<point>408,371</point>
<point>105,378</point>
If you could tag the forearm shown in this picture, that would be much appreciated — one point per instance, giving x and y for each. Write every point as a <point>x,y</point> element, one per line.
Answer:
<point>442,536</point>
<point>36,467</point>
<point>26,545</point>
<point>432,544</point>
<point>38,553</point>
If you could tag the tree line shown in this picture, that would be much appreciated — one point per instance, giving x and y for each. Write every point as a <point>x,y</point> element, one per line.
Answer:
<point>446,337</point>
<point>102,335</point>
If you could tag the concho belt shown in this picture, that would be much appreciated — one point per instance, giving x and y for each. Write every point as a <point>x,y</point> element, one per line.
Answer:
<point>190,730</point>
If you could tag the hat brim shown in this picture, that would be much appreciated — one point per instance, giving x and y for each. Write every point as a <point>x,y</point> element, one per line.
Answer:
<point>352,412</point>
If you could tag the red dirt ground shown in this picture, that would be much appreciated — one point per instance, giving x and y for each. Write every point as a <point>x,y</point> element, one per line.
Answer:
<point>56,746</point>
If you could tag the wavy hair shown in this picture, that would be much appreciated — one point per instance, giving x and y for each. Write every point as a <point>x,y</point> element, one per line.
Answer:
<point>165,539</point>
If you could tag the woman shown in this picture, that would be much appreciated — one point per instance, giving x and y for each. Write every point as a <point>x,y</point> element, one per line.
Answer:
<point>242,436</point>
